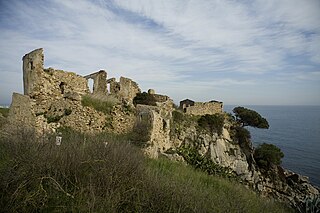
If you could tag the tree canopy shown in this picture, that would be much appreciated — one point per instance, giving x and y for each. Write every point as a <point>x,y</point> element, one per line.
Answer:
<point>267,154</point>
<point>248,117</point>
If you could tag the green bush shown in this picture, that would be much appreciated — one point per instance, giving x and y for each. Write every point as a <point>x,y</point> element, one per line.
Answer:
<point>212,123</point>
<point>243,135</point>
<point>310,205</point>
<point>177,116</point>
<point>55,118</point>
<point>67,111</point>
<point>267,155</point>
<point>204,163</point>
<point>104,106</point>
<point>248,117</point>
<point>145,99</point>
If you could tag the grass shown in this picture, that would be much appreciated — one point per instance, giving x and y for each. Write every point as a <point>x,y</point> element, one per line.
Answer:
<point>4,111</point>
<point>86,174</point>
<point>104,106</point>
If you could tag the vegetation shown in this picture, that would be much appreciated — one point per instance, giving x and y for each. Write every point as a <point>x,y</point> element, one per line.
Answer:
<point>204,163</point>
<point>243,135</point>
<point>3,114</point>
<point>141,133</point>
<point>52,119</point>
<point>86,174</point>
<point>104,106</point>
<point>310,205</point>
<point>4,111</point>
<point>248,117</point>
<point>267,155</point>
<point>56,118</point>
<point>212,123</point>
<point>145,99</point>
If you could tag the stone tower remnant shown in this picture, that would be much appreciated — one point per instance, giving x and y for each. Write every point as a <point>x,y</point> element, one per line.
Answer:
<point>32,68</point>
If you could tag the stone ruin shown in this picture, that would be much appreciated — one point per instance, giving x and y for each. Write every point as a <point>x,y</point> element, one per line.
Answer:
<point>57,95</point>
<point>39,82</point>
<point>201,108</point>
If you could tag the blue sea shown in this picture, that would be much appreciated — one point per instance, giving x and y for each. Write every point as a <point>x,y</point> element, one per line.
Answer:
<point>296,130</point>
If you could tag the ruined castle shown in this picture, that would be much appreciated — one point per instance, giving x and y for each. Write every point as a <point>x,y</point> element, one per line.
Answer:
<point>54,98</point>
<point>201,108</point>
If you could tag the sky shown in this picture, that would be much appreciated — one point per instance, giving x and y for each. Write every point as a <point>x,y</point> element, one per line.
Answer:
<point>239,52</point>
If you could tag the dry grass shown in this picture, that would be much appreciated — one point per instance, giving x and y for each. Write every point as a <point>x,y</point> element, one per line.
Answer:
<point>86,175</point>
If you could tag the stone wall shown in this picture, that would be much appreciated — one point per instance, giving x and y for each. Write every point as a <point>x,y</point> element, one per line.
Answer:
<point>159,119</point>
<point>99,82</point>
<point>40,83</point>
<point>128,89</point>
<point>200,108</point>
<point>21,112</point>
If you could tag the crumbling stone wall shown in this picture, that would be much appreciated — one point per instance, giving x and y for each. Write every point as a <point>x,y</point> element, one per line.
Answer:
<point>99,82</point>
<point>159,119</point>
<point>128,89</point>
<point>21,113</point>
<point>186,103</point>
<point>200,108</point>
<point>53,99</point>
<point>48,85</point>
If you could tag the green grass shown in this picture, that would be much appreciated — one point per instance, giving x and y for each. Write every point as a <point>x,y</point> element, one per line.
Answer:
<point>4,111</point>
<point>104,106</point>
<point>86,175</point>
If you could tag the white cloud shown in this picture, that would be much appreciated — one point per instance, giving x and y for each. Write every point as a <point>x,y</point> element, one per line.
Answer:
<point>166,43</point>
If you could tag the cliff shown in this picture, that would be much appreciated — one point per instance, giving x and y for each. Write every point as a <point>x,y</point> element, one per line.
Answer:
<point>55,99</point>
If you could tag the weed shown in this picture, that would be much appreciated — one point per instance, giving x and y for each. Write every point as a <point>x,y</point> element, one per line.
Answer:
<point>104,106</point>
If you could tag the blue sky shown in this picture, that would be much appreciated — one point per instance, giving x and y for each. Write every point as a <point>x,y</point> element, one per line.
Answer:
<point>238,52</point>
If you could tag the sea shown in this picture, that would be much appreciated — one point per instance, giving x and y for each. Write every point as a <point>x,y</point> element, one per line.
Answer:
<point>296,131</point>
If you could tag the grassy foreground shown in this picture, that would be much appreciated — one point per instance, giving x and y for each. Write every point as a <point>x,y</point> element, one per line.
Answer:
<point>86,175</point>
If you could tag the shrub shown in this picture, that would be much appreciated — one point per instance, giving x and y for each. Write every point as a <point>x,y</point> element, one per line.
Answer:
<point>310,205</point>
<point>55,118</point>
<point>145,99</point>
<point>204,163</point>
<point>177,116</point>
<point>212,123</point>
<point>104,106</point>
<point>248,117</point>
<point>243,135</point>
<point>267,155</point>
<point>67,111</point>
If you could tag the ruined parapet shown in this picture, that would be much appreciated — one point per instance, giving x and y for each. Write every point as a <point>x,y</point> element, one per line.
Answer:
<point>49,85</point>
<point>32,69</point>
<point>201,108</point>
<point>128,88</point>
<point>99,82</point>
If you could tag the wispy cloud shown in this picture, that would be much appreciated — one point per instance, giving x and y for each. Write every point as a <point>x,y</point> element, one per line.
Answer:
<point>180,47</point>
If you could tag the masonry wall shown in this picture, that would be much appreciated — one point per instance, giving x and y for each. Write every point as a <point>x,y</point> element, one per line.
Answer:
<point>200,108</point>
<point>49,85</point>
